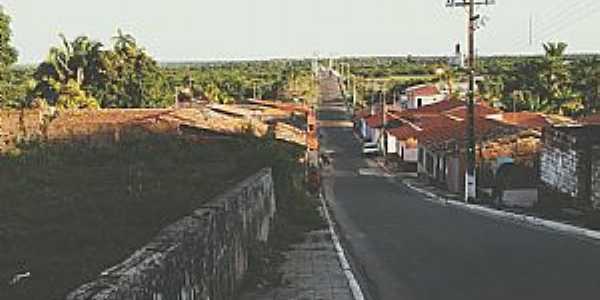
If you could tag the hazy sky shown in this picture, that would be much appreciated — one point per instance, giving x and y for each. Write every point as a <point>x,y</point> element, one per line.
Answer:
<point>175,30</point>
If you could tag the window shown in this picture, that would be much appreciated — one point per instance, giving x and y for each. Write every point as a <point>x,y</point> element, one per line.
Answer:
<point>419,102</point>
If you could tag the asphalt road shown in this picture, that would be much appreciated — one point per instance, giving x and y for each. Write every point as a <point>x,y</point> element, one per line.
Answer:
<point>405,247</point>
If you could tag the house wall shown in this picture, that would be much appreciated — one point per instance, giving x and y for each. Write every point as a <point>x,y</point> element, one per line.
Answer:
<point>455,174</point>
<point>392,144</point>
<point>421,160</point>
<point>413,102</point>
<point>363,128</point>
<point>595,190</point>
<point>202,256</point>
<point>407,154</point>
<point>559,163</point>
<point>373,134</point>
<point>428,165</point>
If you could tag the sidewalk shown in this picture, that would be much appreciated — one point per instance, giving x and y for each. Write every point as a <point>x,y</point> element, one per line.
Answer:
<point>516,216</point>
<point>311,271</point>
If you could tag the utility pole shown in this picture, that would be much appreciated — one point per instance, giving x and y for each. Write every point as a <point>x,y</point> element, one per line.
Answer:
<point>530,29</point>
<point>254,91</point>
<point>353,92</point>
<point>382,137</point>
<point>470,174</point>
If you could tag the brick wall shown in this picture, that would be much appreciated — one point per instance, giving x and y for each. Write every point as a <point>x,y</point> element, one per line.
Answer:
<point>20,125</point>
<point>202,256</point>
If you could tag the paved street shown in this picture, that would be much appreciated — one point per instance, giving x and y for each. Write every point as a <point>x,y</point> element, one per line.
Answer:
<point>406,247</point>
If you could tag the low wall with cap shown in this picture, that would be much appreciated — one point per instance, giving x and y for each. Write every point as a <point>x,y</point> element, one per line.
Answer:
<point>202,256</point>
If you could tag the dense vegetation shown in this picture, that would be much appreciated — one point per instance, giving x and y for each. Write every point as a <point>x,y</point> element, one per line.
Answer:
<point>84,73</point>
<point>554,83</point>
<point>392,75</point>
<point>13,83</point>
<point>232,81</point>
<point>69,211</point>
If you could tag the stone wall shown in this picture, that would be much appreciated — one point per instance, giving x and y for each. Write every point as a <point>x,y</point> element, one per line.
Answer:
<point>596,177</point>
<point>203,256</point>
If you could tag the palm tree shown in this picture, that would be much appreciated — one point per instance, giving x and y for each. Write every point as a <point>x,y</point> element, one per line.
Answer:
<point>85,58</point>
<point>124,42</point>
<point>554,77</point>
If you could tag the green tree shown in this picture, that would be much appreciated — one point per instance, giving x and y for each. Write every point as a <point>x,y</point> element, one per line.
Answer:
<point>133,78</point>
<point>8,56</point>
<point>586,82</point>
<point>555,78</point>
<point>78,61</point>
<point>71,96</point>
<point>125,76</point>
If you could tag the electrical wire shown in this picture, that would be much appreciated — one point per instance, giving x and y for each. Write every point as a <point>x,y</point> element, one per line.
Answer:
<point>560,21</point>
<point>547,18</point>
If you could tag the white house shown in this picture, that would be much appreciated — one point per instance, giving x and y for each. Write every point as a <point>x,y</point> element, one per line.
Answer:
<point>423,95</point>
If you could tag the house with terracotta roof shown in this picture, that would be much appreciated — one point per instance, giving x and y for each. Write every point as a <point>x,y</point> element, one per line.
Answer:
<point>376,126</point>
<point>442,150</point>
<point>433,138</point>
<point>404,132</point>
<point>423,95</point>
<point>360,121</point>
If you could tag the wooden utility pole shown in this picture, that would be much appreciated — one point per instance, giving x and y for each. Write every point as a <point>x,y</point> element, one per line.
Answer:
<point>353,92</point>
<point>470,174</point>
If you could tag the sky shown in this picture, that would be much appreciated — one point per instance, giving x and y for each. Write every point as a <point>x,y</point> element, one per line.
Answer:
<point>186,30</point>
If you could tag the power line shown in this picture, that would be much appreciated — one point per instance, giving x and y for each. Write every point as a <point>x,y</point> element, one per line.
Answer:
<point>560,13</point>
<point>562,20</point>
<point>587,13</point>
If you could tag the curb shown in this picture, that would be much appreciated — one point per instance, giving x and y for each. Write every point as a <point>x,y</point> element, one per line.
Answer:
<point>518,218</point>
<point>357,293</point>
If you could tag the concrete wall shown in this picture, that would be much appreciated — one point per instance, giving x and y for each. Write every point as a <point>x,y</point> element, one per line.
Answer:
<point>559,163</point>
<point>392,144</point>
<point>407,154</point>
<point>455,174</point>
<point>413,103</point>
<point>203,256</point>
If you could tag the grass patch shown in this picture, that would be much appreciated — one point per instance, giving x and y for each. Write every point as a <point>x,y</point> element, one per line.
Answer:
<point>69,211</point>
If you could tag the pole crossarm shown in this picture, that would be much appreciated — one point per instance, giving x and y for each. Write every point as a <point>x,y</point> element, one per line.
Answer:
<point>464,3</point>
